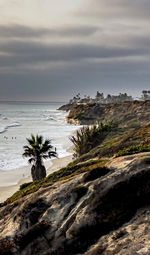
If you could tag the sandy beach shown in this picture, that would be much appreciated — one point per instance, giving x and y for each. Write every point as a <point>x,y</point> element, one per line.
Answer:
<point>10,181</point>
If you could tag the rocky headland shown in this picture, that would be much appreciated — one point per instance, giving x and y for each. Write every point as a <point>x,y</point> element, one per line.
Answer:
<point>98,204</point>
<point>67,107</point>
<point>127,114</point>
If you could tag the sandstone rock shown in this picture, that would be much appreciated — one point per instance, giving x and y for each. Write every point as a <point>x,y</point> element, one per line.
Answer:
<point>90,214</point>
<point>127,114</point>
<point>67,107</point>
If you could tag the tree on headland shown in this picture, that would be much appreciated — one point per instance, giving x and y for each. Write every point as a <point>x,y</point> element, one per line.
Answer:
<point>37,150</point>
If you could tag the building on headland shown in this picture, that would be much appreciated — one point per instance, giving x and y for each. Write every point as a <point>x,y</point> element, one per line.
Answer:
<point>145,95</point>
<point>99,98</point>
<point>109,99</point>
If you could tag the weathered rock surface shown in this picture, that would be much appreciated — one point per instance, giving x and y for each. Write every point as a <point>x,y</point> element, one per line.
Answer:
<point>67,107</point>
<point>128,114</point>
<point>102,212</point>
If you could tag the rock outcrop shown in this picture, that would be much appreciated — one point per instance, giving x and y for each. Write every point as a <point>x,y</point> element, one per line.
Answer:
<point>127,114</point>
<point>67,107</point>
<point>105,211</point>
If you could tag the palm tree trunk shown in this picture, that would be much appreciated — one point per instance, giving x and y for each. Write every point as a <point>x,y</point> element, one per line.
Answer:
<point>38,171</point>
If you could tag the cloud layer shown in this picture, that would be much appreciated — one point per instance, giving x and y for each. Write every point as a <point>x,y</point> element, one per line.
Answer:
<point>101,46</point>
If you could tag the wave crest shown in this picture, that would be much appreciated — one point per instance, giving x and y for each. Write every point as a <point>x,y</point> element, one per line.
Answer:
<point>4,129</point>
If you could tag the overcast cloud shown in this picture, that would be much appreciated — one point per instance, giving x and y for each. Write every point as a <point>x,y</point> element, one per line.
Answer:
<point>51,51</point>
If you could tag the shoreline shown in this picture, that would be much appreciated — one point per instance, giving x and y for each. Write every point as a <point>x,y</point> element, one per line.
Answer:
<point>7,188</point>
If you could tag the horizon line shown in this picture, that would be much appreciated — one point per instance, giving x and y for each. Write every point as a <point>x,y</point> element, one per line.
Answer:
<point>26,101</point>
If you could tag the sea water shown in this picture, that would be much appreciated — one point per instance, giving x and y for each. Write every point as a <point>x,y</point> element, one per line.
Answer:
<point>18,120</point>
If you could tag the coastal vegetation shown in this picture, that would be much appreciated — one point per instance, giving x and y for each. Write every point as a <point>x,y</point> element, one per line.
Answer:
<point>89,137</point>
<point>90,212</point>
<point>133,149</point>
<point>127,114</point>
<point>63,174</point>
<point>117,140</point>
<point>101,99</point>
<point>37,150</point>
<point>94,146</point>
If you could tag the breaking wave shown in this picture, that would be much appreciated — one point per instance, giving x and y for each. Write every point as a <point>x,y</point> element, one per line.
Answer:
<point>4,129</point>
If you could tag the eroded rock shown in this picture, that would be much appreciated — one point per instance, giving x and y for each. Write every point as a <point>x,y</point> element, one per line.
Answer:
<point>89,214</point>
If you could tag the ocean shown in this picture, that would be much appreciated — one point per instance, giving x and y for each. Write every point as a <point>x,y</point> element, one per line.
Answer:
<point>18,120</point>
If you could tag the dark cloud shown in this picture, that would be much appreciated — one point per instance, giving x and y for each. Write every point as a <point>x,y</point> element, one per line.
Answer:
<point>20,31</point>
<point>18,53</point>
<point>83,77</point>
<point>109,51</point>
<point>38,71</point>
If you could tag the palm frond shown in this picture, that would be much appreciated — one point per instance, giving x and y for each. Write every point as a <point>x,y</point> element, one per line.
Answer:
<point>31,160</point>
<point>30,141</point>
<point>47,142</point>
<point>33,138</point>
<point>26,147</point>
<point>28,154</point>
<point>45,148</point>
<point>52,154</point>
<point>38,149</point>
<point>45,156</point>
<point>39,139</point>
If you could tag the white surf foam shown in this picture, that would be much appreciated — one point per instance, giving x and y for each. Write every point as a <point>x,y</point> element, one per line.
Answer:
<point>4,129</point>
<point>24,120</point>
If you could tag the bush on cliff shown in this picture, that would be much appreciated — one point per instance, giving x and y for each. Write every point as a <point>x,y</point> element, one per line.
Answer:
<point>89,137</point>
<point>60,175</point>
<point>134,149</point>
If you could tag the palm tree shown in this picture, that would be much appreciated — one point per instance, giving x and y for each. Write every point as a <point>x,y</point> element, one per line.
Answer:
<point>38,150</point>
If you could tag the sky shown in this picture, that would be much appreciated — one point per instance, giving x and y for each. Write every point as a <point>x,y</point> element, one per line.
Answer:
<point>52,50</point>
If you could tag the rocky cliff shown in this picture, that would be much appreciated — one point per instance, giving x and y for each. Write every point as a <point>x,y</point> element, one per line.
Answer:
<point>67,107</point>
<point>103,211</point>
<point>127,114</point>
<point>98,204</point>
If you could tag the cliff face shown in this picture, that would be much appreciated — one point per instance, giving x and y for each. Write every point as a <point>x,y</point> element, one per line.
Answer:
<point>105,211</point>
<point>127,114</point>
<point>67,107</point>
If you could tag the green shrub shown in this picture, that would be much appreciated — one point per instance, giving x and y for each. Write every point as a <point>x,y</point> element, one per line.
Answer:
<point>80,115</point>
<point>62,174</point>
<point>134,149</point>
<point>24,185</point>
<point>89,137</point>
